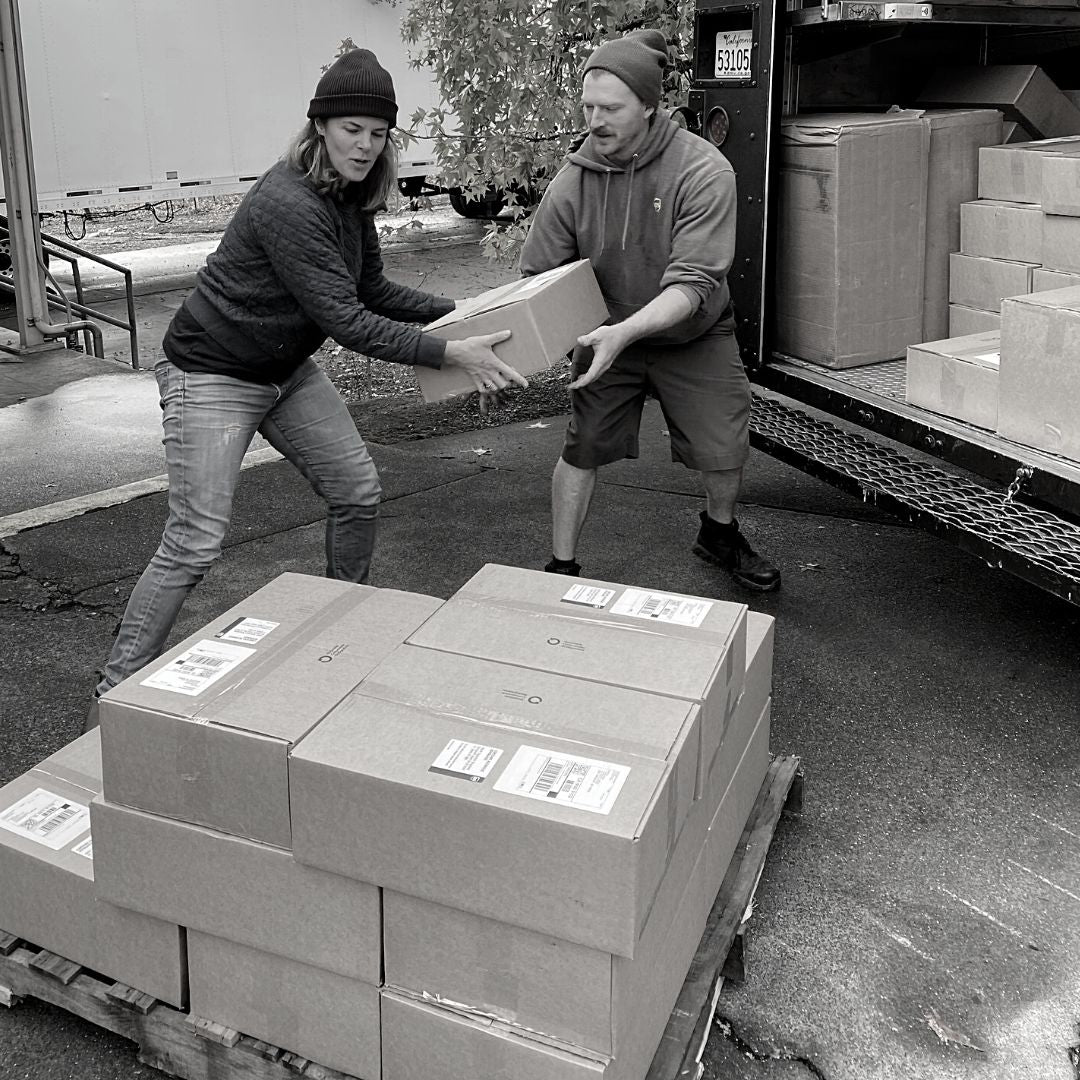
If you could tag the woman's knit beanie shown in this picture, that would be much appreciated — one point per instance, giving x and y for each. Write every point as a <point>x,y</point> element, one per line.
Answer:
<point>638,58</point>
<point>355,84</point>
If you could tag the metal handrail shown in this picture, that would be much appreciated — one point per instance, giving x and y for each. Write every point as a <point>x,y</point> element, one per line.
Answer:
<point>71,253</point>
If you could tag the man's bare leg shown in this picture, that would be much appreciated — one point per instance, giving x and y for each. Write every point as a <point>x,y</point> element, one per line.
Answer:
<point>722,492</point>
<point>571,495</point>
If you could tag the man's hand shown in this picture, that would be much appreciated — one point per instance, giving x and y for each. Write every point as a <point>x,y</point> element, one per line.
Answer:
<point>606,343</point>
<point>476,356</point>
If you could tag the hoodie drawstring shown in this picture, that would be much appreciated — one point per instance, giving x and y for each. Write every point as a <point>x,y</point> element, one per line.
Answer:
<point>603,212</point>
<point>629,199</point>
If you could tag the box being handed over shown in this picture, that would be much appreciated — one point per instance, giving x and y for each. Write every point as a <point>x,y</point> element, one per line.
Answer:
<point>545,314</point>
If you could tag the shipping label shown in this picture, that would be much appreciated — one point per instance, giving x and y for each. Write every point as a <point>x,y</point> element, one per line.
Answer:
<point>662,607</point>
<point>46,818</point>
<point>247,631</point>
<point>580,782</point>
<point>466,760</point>
<point>85,848</point>
<point>589,596</point>
<point>199,667</point>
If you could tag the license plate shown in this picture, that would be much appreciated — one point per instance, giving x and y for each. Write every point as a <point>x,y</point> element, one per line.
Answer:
<point>733,51</point>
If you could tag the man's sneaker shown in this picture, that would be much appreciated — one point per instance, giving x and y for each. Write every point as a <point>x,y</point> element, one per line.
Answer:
<point>726,546</point>
<point>563,566</point>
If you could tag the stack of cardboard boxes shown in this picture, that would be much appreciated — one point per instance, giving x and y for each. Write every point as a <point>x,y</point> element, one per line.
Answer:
<point>869,215</point>
<point>1012,287</point>
<point>1021,235</point>
<point>407,837</point>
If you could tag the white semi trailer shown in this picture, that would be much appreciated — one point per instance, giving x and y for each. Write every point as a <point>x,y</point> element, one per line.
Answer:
<point>146,100</point>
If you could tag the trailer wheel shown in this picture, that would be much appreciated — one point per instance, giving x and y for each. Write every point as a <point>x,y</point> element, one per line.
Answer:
<point>489,206</point>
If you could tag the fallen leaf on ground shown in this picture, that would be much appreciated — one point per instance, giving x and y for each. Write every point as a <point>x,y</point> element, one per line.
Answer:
<point>950,1035</point>
<point>539,423</point>
<point>811,566</point>
<point>479,451</point>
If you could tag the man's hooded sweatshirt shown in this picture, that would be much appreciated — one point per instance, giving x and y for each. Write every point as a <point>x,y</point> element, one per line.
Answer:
<point>664,219</point>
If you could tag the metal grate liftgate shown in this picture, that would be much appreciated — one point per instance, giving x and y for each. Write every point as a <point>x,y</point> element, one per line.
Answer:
<point>1039,547</point>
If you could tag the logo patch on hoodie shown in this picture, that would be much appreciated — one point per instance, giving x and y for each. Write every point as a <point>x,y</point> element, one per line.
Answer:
<point>657,205</point>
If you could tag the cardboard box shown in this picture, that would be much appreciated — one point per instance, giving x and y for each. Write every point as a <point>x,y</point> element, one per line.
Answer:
<point>253,894</point>
<point>730,819</point>
<point>686,647</point>
<point>1061,184</point>
<point>572,841</point>
<point>583,997</point>
<point>203,734</point>
<point>968,320</point>
<point>1023,92</point>
<point>1040,371</point>
<point>316,1014</point>
<point>1061,242</point>
<point>1002,230</point>
<point>47,889</point>
<point>421,1038</point>
<point>1014,173</point>
<point>852,220</point>
<point>546,315</point>
<point>981,283</point>
<point>957,377</point>
<point>1012,132</point>
<point>1044,280</point>
<point>760,648</point>
<point>593,715</point>
<point>952,178</point>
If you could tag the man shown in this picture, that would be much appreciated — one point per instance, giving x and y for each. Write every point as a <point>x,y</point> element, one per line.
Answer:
<point>653,207</point>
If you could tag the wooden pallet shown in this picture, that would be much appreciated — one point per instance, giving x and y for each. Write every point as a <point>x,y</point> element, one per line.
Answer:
<point>174,1042</point>
<point>719,955</point>
<point>193,1048</point>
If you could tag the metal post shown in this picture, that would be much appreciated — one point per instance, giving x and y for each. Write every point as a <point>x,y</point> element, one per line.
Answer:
<point>19,188</point>
<point>20,192</point>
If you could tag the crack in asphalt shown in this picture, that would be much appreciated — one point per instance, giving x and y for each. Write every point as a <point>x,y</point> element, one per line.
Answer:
<point>56,597</point>
<point>727,1030</point>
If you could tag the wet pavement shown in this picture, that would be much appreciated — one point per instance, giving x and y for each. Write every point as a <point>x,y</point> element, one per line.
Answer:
<point>920,920</point>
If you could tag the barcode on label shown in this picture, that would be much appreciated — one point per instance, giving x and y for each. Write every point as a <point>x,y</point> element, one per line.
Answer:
<point>662,607</point>
<point>201,666</point>
<point>46,818</point>
<point>65,813</point>
<point>546,780</point>
<point>581,783</point>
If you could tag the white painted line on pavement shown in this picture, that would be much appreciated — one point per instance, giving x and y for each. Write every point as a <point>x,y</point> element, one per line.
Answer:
<point>98,500</point>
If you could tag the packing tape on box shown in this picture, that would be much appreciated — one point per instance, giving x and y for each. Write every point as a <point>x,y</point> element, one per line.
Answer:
<point>493,717</point>
<point>532,607</point>
<point>91,784</point>
<point>266,656</point>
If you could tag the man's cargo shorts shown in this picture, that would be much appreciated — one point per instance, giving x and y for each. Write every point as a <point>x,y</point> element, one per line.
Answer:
<point>702,389</point>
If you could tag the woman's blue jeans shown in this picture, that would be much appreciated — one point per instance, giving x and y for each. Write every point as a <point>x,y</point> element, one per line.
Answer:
<point>209,422</point>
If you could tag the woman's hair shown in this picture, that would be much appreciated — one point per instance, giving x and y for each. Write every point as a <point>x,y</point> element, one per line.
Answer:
<point>307,152</point>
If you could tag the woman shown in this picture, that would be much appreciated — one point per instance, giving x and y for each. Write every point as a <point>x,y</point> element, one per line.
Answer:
<point>299,262</point>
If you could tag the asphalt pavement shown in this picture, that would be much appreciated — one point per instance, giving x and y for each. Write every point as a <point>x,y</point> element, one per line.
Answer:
<point>920,920</point>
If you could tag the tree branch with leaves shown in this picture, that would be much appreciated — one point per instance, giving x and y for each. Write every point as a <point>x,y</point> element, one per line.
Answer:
<point>509,73</point>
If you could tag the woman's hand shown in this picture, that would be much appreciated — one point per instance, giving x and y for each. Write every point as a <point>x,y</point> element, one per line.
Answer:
<point>476,356</point>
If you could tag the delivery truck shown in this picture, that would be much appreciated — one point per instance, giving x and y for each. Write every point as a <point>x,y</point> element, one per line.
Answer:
<point>876,216</point>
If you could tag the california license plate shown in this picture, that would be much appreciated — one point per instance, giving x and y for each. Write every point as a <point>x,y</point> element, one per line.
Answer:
<point>733,52</point>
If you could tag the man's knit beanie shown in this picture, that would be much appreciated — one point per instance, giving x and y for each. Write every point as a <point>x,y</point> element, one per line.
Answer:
<point>638,58</point>
<point>355,84</point>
